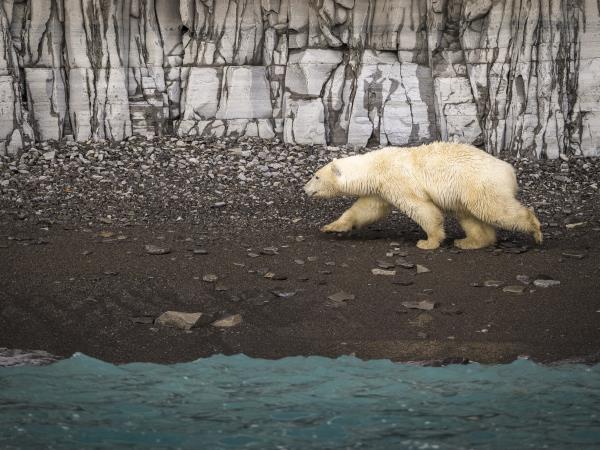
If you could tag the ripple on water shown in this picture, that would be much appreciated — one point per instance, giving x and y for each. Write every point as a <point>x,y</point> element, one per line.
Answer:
<point>231,402</point>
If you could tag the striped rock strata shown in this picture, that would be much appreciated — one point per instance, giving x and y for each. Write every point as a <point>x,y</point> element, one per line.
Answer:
<point>516,76</point>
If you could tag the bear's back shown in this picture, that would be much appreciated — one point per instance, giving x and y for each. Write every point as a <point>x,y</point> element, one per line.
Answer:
<point>444,157</point>
<point>446,171</point>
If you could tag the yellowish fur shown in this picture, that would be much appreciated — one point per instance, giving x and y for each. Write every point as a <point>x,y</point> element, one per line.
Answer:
<point>425,183</point>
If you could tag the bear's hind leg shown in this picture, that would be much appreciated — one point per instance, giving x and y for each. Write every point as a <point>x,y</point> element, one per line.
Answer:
<point>513,216</point>
<point>430,218</point>
<point>478,233</point>
<point>365,211</point>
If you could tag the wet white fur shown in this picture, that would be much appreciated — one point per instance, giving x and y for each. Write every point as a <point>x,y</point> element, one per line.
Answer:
<point>425,182</point>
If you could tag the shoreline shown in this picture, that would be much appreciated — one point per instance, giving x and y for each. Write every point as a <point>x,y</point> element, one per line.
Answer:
<point>12,358</point>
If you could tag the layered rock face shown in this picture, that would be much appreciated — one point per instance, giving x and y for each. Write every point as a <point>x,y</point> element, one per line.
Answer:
<point>517,76</point>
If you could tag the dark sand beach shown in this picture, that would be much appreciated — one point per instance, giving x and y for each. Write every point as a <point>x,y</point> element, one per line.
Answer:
<point>240,238</point>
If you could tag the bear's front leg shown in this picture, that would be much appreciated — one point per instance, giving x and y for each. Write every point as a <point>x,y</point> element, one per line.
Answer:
<point>430,218</point>
<point>365,211</point>
<point>478,233</point>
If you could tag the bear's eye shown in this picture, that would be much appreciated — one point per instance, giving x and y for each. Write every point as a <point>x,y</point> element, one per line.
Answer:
<point>316,177</point>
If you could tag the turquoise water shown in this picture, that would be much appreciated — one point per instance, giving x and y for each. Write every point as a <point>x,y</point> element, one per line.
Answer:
<point>299,403</point>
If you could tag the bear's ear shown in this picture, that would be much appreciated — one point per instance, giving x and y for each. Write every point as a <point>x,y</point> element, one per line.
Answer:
<point>335,169</point>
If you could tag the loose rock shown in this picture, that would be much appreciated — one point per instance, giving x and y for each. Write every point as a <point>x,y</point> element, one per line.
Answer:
<point>514,289</point>
<point>275,276</point>
<point>546,283</point>
<point>210,278</point>
<point>156,250</point>
<point>425,305</point>
<point>387,273</point>
<point>382,264</point>
<point>228,322</point>
<point>401,262</point>
<point>181,320</point>
<point>574,254</point>
<point>284,294</point>
<point>422,269</point>
<point>49,156</point>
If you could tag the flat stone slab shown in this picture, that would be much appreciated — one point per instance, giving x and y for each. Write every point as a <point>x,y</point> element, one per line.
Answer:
<point>546,283</point>
<point>156,250</point>
<point>516,289</point>
<point>181,320</point>
<point>383,272</point>
<point>228,322</point>
<point>424,305</point>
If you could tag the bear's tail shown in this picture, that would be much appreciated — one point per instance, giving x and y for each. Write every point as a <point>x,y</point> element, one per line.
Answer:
<point>536,227</point>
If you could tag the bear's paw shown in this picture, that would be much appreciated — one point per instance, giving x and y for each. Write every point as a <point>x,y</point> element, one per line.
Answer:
<point>428,244</point>
<point>337,227</point>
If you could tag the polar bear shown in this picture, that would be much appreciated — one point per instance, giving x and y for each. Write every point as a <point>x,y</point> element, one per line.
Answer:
<point>426,182</point>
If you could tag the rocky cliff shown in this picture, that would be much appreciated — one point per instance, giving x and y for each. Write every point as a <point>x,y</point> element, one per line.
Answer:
<point>517,76</point>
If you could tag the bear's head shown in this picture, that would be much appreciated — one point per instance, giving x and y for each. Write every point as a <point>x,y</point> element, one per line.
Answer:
<point>326,183</point>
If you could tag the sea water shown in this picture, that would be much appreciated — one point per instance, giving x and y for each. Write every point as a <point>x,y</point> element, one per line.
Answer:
<point>227,402</point>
